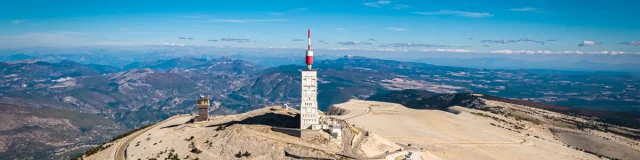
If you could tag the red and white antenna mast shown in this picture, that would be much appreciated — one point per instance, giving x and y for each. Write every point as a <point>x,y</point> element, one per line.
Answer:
<point>309,51</point>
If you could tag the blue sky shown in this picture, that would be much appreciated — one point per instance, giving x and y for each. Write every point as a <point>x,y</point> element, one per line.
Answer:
<point>541,26</point>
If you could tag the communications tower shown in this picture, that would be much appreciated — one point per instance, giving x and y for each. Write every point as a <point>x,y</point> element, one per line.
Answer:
<point>309,118</point>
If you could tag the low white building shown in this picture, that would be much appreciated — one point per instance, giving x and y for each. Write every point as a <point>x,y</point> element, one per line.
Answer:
<point>335,129</point>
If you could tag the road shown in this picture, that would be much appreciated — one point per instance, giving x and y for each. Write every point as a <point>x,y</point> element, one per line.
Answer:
<point>365,112</point>
<point>122,148</point>
<point>349,149</point>
<point>347,139</point>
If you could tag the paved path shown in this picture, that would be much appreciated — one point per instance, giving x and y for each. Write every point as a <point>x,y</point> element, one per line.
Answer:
<point>122,147</point>
<point>365,112</point>
<point>350,149</point>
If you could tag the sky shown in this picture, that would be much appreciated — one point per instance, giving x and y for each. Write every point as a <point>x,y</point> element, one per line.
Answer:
<point>488,26</point>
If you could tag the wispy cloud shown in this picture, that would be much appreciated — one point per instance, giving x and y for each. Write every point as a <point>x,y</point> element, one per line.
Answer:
<point>412,45</point>
<point>524,9</point>
<point>353,43</point>
<point>457,13</point>
<point>632,43</point>
<point>276,13</point>
<point>530,40</point>
<point>19,21</point>
<point>213,40</point>
<point>371,39</point>
<point>189,38</point>
<point>384,2</point>
<point>168,44</point>
<point>396,29</point>
<point>322,42</point>
<point>230,39</point>
<point>296,40</point>
<point>505,41</point>
<point>507,51</point>
<point>339,29</point>
<point>551,40</point>
<point>446,50</point>
<point>246,20</point>
<point>400,6</point>
<point>377,4</point>
<point>372,4</point>
<point>298,9</point>
<point>589,43</point>
<point>470,38</point>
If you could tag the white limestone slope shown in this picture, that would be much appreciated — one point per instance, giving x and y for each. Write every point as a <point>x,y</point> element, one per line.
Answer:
<point>449,136</point>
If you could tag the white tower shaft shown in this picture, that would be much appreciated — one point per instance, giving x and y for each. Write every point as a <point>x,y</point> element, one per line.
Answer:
<point>309,106</point>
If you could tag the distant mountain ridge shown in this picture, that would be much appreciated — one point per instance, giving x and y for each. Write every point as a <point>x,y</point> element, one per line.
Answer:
<point>165,65</point>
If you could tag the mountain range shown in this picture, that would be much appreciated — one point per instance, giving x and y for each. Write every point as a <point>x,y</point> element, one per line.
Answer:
<point>145,92</point>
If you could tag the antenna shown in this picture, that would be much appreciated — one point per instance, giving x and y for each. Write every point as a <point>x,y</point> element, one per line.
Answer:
<point>309,51</point>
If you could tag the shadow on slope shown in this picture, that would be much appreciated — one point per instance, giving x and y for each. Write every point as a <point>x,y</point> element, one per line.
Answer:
<point>269,119</point>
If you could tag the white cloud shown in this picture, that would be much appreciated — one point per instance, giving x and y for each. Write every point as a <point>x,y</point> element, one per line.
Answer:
<point>589,43</point>
<point>246,20</point>
<point>385,49</point>
<point>376,4</point>
<point>372,4</point>
<point>235,39</point>
<point>400,6</point>
<point>524,9</point>
<point>631,43</point>
<point>298,9</point>
<point>396,29</point>
<point>618,52</point>
<point>276,13</point>
<point>339,29</point>
<point>457,13</point>
<point>507,51</point>
<point>446,50</point>
<point>384,2</point>
<point>170,44</point>
<point>19,21</point>
<point>352,43</point>
<point>544,52</point>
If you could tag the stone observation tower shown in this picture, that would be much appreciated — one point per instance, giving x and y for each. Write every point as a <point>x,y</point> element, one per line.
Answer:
<point>203,108</point>
<point>309,118</point>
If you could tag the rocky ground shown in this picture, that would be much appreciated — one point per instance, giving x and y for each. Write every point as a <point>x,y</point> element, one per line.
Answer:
<point>225,137</point>
<point>485,134</point>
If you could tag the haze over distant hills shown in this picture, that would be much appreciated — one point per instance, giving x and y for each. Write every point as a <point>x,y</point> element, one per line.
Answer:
<point>272,57</point>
